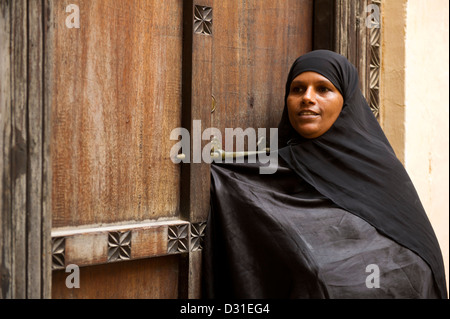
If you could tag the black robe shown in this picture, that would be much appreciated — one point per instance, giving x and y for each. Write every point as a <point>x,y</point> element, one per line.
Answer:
<point>274,236</point>
<point>339,205</point>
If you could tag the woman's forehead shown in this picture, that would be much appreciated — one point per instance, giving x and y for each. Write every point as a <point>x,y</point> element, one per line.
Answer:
<point>311,76</point>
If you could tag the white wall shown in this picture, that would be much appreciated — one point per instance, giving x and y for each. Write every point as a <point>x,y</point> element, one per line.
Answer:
<point>427,110</point>
<point>415,100</point>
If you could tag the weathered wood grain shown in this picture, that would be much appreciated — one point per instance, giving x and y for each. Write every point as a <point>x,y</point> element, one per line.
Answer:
<point>154,278</point>
<point>35,219</point>
<point>352,37</point>
<point>47,173</point>
<point>5,151</point>
<point>197,66</point>
<point>195,275</point>
<point>255,43</point>
<point>197,97</point>
<point>19,146</point>
<point>25,245</point>
<point>89,246</point>
<point>116,96</point>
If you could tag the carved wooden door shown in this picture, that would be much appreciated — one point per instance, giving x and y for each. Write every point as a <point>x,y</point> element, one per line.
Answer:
<point>125,219</point>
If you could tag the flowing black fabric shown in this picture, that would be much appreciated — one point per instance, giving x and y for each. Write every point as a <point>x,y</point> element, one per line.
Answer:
<point>274,236</point>
<point>349,169</point>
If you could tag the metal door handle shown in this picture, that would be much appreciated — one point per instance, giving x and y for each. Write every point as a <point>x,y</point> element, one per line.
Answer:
<point>217,151</point>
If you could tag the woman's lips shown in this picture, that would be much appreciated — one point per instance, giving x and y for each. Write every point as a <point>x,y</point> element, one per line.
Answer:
<point>307,114</point>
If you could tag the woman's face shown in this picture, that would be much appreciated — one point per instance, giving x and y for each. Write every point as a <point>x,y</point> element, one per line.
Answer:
<point>314,104</point>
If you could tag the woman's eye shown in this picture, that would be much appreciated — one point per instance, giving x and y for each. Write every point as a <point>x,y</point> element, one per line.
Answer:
<point>296,89</point>
<point>324,89</point>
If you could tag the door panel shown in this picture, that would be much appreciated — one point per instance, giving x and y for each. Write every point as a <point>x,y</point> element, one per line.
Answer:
<point>116,98</point>
<point>137,279</point>
<point>115,88</point>
<point>254,44</point>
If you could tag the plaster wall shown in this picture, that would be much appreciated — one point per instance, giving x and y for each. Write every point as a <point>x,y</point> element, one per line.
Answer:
<point>415,100</point>
<point>427,110</point>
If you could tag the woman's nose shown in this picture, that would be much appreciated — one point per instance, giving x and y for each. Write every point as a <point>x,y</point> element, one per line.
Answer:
<point>309,96</point>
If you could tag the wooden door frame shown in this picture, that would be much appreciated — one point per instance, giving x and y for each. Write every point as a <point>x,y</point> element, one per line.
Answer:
<point>25,109</point>
<point>340,26</point>
<point>25,176</point>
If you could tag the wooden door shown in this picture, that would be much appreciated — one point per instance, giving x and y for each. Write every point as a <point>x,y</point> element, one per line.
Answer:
<point>116,95</point>
<point>134,70</point>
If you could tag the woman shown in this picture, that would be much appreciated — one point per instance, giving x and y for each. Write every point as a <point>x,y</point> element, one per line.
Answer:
<point>339,219</point>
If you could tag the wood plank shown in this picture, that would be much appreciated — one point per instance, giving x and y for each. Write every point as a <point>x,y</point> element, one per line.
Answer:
<point>364,49</point>
<point>19,147</point>
<point>195,271</point>
<point>197,68</point>
<point>5,151</point>
<point>89,246</point>
<point>113,108</point>
<point>24,254</point>
<point>35,219</point>
<point>86,250</point>
<point>149,241</point>
<point>47,172</point>
<point>197,100</point>
<point>154,278</point>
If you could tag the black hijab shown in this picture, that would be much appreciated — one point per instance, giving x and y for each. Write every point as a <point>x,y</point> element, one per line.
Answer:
<point>354,165</point>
